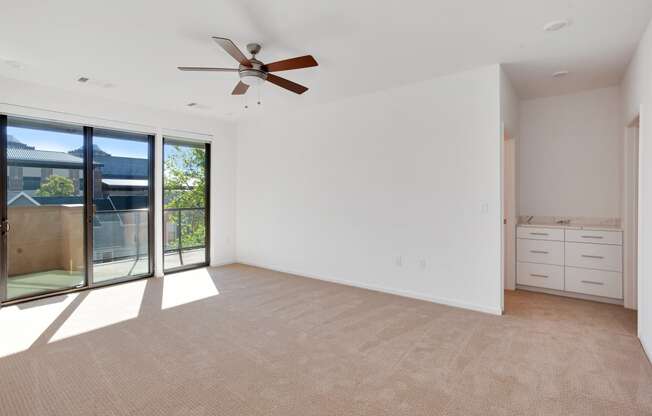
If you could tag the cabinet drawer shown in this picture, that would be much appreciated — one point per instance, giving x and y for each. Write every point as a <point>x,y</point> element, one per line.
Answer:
<point>556,234</point>
<point>594,282</point>
<point>540,251</point>
<point>594,256</point>
<point>599,237</point>
<point>540,275</point>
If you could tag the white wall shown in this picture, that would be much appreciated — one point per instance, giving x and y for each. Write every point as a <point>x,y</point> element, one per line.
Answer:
<point>637,100</point>
<point>383,191</point>
<point>570,155</point>
<point>30,100</point>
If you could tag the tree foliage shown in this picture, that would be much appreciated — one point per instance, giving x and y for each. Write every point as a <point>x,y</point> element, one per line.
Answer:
<point>56,185</point>
<point>185,187</point>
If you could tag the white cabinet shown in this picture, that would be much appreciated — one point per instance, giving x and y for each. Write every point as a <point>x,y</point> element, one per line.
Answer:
<point>573,260</point>
<point>540,275</point>
<point>594,256</point>
<point>593,282</point>
<point>532,233</point>
<point>596,237</point>
<point>540,251</point>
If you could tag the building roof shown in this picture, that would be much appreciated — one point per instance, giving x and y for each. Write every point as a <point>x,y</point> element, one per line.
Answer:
<point>118,167</point>
<point>136,183</point>
<point>14,142</point>
<point>22,199</point>
<point>45,158</point>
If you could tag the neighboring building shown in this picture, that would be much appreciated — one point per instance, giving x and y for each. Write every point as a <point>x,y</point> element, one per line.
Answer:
<point>113,176</point>
<point>119,175</point>
<point>29,167</point>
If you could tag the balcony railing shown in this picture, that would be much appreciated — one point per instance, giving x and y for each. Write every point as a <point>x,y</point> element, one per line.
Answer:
<point>120,234</point>
<point>185,236</point>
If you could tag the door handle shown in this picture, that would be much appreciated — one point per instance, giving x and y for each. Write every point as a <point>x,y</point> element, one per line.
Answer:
<point>5,227</point>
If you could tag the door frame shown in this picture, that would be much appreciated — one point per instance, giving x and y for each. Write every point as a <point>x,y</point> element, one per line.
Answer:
<point>3,208</point>
<point>509,210</point>
<point>207,206</point>
<point>631,176</point>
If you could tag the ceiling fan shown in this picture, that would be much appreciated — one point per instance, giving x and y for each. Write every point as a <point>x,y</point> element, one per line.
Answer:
<point>253,72</point>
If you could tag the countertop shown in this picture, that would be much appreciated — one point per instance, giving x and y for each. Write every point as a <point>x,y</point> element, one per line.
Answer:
<point>596,227</point>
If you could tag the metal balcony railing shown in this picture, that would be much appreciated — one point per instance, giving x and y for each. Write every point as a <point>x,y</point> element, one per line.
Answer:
<point>184,231</point>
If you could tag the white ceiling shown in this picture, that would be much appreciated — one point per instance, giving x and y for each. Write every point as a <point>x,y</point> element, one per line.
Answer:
<point>134,46</point>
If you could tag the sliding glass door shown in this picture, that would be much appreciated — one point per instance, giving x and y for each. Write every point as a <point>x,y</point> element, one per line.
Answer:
<point>186,167</point>
<point>122,195</point>
<point>75,207</point>
<point>44,208</point>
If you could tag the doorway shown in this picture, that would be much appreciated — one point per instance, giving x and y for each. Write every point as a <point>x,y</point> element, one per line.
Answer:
<point>186,205</point>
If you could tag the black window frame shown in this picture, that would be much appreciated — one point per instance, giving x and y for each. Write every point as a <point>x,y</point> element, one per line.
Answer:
<point>207,205</point>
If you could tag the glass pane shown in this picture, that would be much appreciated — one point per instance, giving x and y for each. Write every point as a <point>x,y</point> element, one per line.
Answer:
<point>184,196</point>
<point>121,202</point>
<point>45,207</point>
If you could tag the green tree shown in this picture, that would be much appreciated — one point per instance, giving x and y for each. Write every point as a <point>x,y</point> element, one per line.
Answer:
<point>56,185</point>
<point>185,187</point>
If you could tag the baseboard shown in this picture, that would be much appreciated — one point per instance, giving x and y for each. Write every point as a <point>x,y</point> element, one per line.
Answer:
<point>647,349</point>
<point>570,294</point>
<point>403,293</point>
<point>222,263</point>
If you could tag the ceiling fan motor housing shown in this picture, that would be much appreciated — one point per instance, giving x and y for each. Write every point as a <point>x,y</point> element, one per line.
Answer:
<point>254,75</point>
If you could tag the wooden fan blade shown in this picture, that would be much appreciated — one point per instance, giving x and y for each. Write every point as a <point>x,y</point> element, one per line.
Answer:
<point>206,69</point>
<point>292,63</point>
<point>232,50</point>
<point>287,84</point>
<point>240,89</point>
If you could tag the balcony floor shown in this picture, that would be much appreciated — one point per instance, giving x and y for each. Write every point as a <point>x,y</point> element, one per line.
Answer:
<point>190,257</point>
<point>54,280</point>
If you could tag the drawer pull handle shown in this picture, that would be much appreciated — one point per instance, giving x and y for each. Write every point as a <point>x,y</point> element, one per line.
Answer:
<point>538,252</point>
<point>539,234</point>
<point>588,256</point>
<point>545,276</point>
<point>597,237</point>
<point>591,282</point>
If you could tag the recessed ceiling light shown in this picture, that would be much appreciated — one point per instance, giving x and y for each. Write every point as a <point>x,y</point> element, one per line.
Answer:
<point>82,79</point>
<point>560,74</point>
<point>556,25</point>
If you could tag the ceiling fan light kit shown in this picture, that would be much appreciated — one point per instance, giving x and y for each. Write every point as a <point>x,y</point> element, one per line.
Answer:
<point>253,72</point>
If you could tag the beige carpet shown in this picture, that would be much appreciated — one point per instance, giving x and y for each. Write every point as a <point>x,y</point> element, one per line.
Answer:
<point>248,341</point>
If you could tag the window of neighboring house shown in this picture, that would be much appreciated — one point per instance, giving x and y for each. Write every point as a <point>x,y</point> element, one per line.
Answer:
<point>31,183</point>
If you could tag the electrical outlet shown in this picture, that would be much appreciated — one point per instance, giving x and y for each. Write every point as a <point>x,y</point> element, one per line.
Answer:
<point>485,207</point>
<point>399,261</point>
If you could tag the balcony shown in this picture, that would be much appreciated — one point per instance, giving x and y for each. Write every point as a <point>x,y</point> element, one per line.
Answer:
<point>46,247</point>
